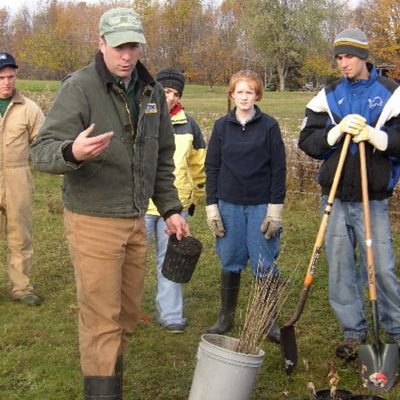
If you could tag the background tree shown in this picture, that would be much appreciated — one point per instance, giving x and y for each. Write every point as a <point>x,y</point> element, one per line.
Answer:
<point>4,29</point>
<point>216,55</point>
<point>230,17</point>
<point>208,53</point>
<point>150,10</point>
<point>178,27</point>
<point>62,38</point>
<point>380,19</point>
<point>289,42</point>
<point>317,69</point>
<point>283,30</point>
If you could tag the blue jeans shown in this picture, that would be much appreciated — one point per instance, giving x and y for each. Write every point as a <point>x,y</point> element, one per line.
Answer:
<point>346,276</point>
<point>169,299</point>
<point>244,241</point>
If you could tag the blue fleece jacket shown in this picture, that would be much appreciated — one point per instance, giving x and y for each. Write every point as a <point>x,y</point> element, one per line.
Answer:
<point>246,164</point>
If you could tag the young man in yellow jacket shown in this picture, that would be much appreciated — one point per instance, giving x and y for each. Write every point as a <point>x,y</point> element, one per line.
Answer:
<point>189,173</point>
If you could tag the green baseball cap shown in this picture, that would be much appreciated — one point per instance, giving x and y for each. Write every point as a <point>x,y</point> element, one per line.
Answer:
<point>121,25</point>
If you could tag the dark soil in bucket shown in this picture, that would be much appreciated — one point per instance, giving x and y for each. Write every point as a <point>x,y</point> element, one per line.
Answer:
<point>361,397</point>
<point>181,258</point>
<point>186,246</point>
<point>339,395</point>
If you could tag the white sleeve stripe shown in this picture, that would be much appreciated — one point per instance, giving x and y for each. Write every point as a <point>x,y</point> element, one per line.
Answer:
<point>319,103</point>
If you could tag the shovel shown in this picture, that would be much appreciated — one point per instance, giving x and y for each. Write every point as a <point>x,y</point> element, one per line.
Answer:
<point>288,336</point>
<point>378,361</point>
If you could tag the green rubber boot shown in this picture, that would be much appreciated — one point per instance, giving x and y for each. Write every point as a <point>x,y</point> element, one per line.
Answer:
<point>102,388</point>
<point>230,285</point>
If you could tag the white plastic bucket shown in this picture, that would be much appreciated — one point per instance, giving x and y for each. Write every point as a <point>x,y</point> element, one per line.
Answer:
<point>222,373</point>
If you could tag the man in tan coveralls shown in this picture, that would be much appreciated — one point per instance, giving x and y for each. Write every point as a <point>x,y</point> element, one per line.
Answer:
<point>20,120</point>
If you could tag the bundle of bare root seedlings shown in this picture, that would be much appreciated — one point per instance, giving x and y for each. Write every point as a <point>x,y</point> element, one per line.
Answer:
<point>268,294</point>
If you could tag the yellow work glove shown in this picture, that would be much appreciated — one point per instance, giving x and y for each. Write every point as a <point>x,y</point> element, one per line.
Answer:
<point>376,137</point>
<point>272,222</point>
<point>214,220</point>
<point>352,123</point>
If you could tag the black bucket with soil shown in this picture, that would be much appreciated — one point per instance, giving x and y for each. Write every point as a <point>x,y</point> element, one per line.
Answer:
<point>181,258</point>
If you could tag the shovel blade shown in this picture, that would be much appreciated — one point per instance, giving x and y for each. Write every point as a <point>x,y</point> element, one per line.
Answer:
<point>379,364</point>
<point>289,348</point>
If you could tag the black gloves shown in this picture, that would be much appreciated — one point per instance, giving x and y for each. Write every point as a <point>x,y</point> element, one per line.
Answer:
<point>191,210</point>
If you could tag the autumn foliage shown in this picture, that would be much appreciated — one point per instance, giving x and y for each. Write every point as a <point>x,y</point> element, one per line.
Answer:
<point>287,41</point>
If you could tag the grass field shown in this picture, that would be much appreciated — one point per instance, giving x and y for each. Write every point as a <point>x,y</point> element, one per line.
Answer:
<point>39,356</point>
<point>37,86</point>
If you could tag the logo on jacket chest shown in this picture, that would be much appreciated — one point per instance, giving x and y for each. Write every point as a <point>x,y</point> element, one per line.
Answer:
<point>151,108</point>
<point>375,102</point>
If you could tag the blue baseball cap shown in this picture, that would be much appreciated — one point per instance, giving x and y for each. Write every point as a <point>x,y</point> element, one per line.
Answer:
<point>7,60</point>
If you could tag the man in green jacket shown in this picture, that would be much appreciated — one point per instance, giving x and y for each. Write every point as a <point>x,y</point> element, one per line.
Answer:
<point>109,133</point>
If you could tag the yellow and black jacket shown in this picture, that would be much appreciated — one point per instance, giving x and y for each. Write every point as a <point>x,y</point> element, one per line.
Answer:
<point>189,159</point>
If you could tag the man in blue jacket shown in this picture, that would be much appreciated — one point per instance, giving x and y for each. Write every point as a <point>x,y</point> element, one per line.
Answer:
<point>367,106</point>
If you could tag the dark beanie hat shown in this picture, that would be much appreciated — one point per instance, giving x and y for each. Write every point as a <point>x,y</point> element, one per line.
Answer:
<point>351,41</point>
<point>172,78</point>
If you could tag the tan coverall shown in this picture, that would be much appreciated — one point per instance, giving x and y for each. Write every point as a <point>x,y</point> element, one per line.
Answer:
<point>18,128</point>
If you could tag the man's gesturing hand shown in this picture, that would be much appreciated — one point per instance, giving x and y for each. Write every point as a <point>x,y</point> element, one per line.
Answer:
<point>86,148</point>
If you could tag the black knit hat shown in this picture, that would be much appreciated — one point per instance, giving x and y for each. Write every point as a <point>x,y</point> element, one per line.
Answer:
<point>172,78</point>
<point>351,41</point>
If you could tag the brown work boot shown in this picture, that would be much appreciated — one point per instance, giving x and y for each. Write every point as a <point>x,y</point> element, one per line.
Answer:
<point>348,349</point>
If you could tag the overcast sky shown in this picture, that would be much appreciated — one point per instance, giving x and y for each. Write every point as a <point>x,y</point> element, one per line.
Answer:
<point>15,5</point>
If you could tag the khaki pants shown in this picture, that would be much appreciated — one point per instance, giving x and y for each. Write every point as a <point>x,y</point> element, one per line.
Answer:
<point>16,188</point>
<point>109,258</point>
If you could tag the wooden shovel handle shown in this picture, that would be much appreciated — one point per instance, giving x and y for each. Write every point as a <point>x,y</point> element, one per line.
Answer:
<point>367,223</point>
<point>319,241</point>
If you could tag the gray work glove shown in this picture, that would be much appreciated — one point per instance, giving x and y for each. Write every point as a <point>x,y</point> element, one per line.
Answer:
<point>272,222</point>
<point>214,220</point>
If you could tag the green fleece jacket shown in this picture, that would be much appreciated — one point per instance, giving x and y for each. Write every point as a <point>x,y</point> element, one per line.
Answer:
<point>138,163</point>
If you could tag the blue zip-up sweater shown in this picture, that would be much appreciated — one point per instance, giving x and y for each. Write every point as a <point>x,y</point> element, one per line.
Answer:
<point>246,164</point>
<point>378,100</point>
